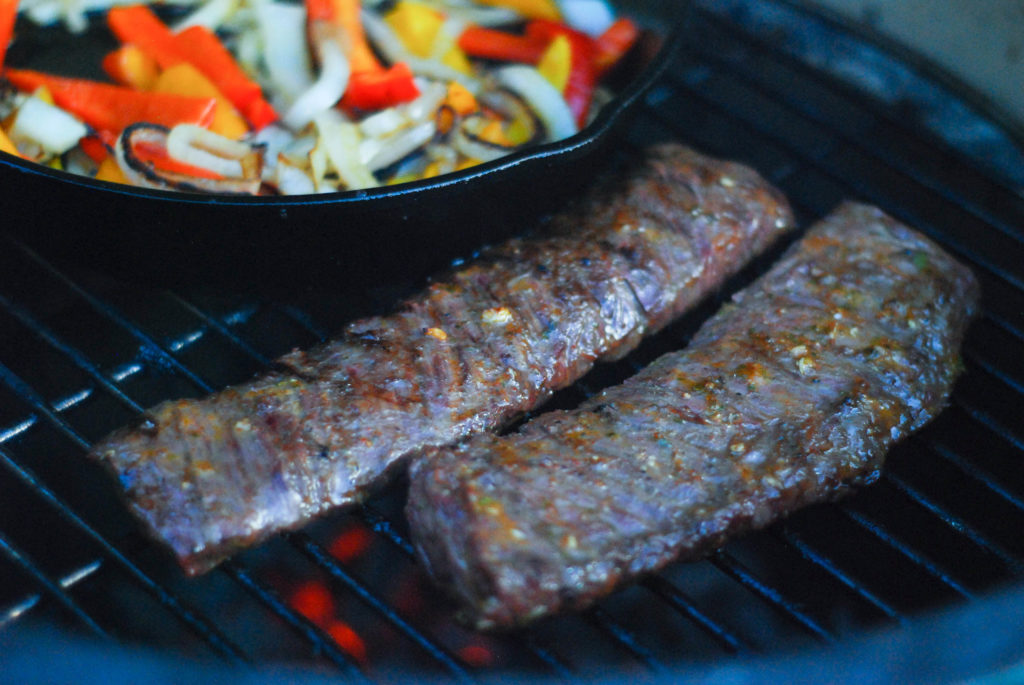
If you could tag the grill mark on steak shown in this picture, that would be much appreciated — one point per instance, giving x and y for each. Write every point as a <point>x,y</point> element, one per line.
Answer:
<point>476,349</point>
<point>790,395</point>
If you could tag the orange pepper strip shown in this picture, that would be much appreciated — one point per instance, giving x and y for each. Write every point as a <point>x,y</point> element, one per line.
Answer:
<point>131,66</point>
<point>8,13</point>
<point>7,146</point>
<point>110,171</point>
<point>139,25</point>
<point>614,43</point>
<point>111,108</point>
<point>205,51</point>
<point>344,15</point>
<point>186,79</point>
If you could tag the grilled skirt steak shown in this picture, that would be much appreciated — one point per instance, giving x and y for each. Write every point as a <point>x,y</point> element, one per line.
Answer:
<point>477,348</point>
<point>789,395</point>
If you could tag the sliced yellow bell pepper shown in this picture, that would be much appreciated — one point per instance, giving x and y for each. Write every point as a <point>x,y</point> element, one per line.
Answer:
<point>460,99</point>
<point>109,171</point>
<point>6,145</point>
<point>457,60</point>
<point>556,62</point>
<point>531,9</point>
<point>416,25</point>
<point>494,133</point>
<point>185,79</point>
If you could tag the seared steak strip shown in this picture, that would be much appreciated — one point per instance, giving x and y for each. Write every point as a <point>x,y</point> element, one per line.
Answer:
<point>790,395</point>
<point>484,344</point>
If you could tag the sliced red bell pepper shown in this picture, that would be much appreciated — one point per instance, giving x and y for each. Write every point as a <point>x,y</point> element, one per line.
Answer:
<point>204,50</point>
<point>487,43</point>
<point>579,91</point>
<point>95,148</point>
<point>370,90</point>
<point>156,156</point>
<point>110,108</point>
<point>8,14</point>
<point>343,15</point>
<point>139,25</point>
<point>614,43</point>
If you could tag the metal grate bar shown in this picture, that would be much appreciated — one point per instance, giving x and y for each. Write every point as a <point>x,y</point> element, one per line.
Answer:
<point>787,533</point>
<point>110,312</point>
<point>53,588</point>
<point>740,573</point>
<point>818,162</point>
<point>321,641</point>
<point>16,610</point>
<point>678,600</point>
<point>555,663</point>
<point>976,473</point>
<point>603,621</point>
<point>197,623</point>
<point>225,331</point>
<point>76,356</point>
<point>985,419</point>
<point>323,559</point>
<point>380,524</point>
<point>865,143</point>
<point>1003,377</point>
<point>36,402</point>
<point>919,559</point>
<point>1012,563</point>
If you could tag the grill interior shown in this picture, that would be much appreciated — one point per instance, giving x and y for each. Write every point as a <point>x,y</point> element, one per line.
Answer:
<point>82,353</point>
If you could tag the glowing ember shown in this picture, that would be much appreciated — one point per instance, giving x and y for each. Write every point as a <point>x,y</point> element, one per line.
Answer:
<point>477,656</point>
<point>348,640</point>
<point>351,542</point>
<point>314,601</point>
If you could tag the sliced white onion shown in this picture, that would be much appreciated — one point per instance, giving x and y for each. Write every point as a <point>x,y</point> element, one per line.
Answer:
<point>210,14</point>
<point>199,147</point>
<point>274,139</point>
<point>592,17</point>
<point>424,107</point>
<point>328,89</point>
<point>401,145</point>
<point>383,123</point>
<point>142,174</point>
<point>340,140</point>
<point>53,129</point>
<point>283,31</point>
<point>291,179</point>
<point>543,97</point>
<point>318,167</point>
<point>445,156</point>
<point>447,36</point>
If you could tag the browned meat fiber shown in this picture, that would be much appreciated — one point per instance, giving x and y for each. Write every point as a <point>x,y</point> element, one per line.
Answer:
<point>789,395</point>
<point>476,349</point>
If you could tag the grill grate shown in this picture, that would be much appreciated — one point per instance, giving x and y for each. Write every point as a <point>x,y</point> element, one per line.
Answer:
<point>83,354</point>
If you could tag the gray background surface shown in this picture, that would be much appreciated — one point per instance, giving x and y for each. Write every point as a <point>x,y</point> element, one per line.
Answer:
<point>981,41</point>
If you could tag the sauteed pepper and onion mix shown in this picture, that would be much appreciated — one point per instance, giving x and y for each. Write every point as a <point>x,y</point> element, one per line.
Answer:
<point>265,97</point>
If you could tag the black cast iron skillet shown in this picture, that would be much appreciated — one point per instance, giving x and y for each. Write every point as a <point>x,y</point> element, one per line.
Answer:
<point>411,229</point>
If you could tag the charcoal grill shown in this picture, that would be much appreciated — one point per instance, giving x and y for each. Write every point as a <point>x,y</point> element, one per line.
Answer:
<point>920,574</point>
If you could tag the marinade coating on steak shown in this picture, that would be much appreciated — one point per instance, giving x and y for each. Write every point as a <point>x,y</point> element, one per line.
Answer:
<point>790,395</point>
<point>477,348</point>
